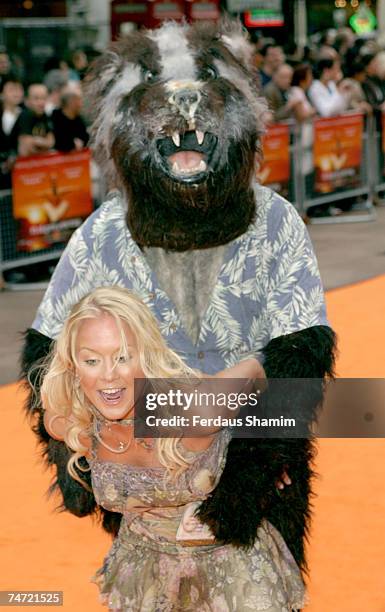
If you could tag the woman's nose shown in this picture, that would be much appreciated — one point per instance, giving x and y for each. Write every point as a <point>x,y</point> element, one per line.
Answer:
<point>110,371</point>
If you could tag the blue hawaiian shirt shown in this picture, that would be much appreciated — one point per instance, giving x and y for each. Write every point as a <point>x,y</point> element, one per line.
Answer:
<point>268,285</point>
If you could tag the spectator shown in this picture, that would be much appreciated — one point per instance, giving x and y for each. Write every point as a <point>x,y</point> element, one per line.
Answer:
<point>326,42</point>
<point>12,98</point>
<point>33,127</point>
<point>5,67</point>
<point>353,83</point>
<point>303,111</point>
<point>300,83</point>
<point>68,126</point>
<point>273,57</point>
<point>373,85</point>
<point>324,94</point>
<point>277,93</point>
<point>79,63</point>
<point>344,41</point>
<point>55,80</point>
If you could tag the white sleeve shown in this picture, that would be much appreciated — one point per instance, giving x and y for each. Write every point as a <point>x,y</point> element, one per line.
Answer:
<point>327,104</point>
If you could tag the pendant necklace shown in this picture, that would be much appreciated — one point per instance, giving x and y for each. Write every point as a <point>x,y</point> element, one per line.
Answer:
<point>121,446</point>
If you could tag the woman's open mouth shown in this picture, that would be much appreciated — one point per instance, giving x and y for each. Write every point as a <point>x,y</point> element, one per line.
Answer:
<point>186,157</point>
<point>111,397</point>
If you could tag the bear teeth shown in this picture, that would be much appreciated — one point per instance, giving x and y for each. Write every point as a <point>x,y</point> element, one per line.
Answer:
<point>176,139</point>
<point>200,136</point>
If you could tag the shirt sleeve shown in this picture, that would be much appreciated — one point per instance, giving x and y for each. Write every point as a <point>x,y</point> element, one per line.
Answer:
<point>72,279</point>
<point>295,299</point>
<point>327,102</point>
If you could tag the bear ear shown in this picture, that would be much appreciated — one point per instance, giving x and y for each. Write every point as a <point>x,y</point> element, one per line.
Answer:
<point>103,71</point>
<point>236,38</point>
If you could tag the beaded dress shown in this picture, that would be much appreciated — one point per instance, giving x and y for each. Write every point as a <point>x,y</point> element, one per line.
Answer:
<point>147,570</point>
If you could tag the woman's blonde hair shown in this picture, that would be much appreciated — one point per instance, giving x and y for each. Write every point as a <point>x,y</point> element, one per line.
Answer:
<point>64,397</point>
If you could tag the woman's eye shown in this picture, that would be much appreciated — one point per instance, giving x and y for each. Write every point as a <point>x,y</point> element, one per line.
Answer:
<point>91,362</point>
<point>124,358</point>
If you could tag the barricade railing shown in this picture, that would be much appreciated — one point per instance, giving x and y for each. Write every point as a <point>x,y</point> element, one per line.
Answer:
<point>323,162</point>
<point>377,152</point>
<point>19,245</point>
<point>332,163</point>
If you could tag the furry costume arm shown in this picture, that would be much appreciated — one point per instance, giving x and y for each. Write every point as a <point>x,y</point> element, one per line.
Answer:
<point>246,492</point>
<point>75,498</point>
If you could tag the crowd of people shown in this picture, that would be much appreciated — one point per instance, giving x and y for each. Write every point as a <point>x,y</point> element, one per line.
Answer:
<point>342,72</point>
<point>36,117</point>
<point>337,73</point>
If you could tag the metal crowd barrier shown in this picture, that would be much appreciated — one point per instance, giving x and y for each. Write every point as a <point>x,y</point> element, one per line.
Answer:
<point>360,193</point>
<point>11,258</point>
<point>377,159</point>
<point>298,187</point>
<point>368,180</point>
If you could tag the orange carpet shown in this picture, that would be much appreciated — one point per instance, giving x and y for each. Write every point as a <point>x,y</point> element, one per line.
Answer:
<point>43,550</point>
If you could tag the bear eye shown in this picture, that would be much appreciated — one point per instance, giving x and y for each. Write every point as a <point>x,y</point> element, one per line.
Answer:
<point>209,72</point>
<point>148,76</point>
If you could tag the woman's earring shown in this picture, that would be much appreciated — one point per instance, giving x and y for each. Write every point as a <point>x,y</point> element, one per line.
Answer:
<point>77,381</point>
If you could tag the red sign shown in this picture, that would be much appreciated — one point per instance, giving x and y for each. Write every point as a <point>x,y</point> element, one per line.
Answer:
<point>200,9</point>
<point>51,197</point>
<point>151,14</point>
<point>337,152</point>
<point>275,169</point>
<point>147,14</point>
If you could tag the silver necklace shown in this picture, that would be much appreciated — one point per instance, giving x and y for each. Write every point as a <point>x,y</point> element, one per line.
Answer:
<point>121,446</point>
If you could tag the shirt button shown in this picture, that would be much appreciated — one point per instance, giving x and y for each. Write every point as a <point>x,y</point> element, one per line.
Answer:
<point>151,296</point>
<point>201,355</point>
<point>173,327</point>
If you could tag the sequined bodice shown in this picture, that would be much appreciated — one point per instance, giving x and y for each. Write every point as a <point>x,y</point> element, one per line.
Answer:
<point>151,504</point>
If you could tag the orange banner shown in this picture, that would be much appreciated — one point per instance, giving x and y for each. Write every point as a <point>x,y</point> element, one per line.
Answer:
<point>275,169</point>
<point>51,197</point>
<point>337,152</point>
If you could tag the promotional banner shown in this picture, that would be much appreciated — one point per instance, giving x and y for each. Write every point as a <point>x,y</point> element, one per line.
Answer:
<point>51,198</point>
<point>275,168</point>
<point>338,152</point>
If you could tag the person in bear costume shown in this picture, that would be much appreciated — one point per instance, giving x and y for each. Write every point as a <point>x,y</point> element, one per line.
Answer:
<point>225,265</point>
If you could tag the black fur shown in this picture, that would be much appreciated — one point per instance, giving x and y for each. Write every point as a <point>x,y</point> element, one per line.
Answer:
<point>74,497</point>
<point>246,492</point>
<point>198,224</point>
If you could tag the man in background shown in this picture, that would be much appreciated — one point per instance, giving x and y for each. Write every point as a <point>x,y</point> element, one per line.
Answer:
<point>33,127</point>
<point>68,125</point>
<point>273,57</point>
<point>11,99</point>
<point>277,93</point>
<point>5,66</point>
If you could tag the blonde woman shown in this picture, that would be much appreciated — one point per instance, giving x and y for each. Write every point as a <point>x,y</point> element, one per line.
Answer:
<point>163,558</point>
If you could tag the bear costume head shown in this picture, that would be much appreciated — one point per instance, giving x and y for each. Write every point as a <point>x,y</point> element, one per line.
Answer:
<point>177,124</point>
